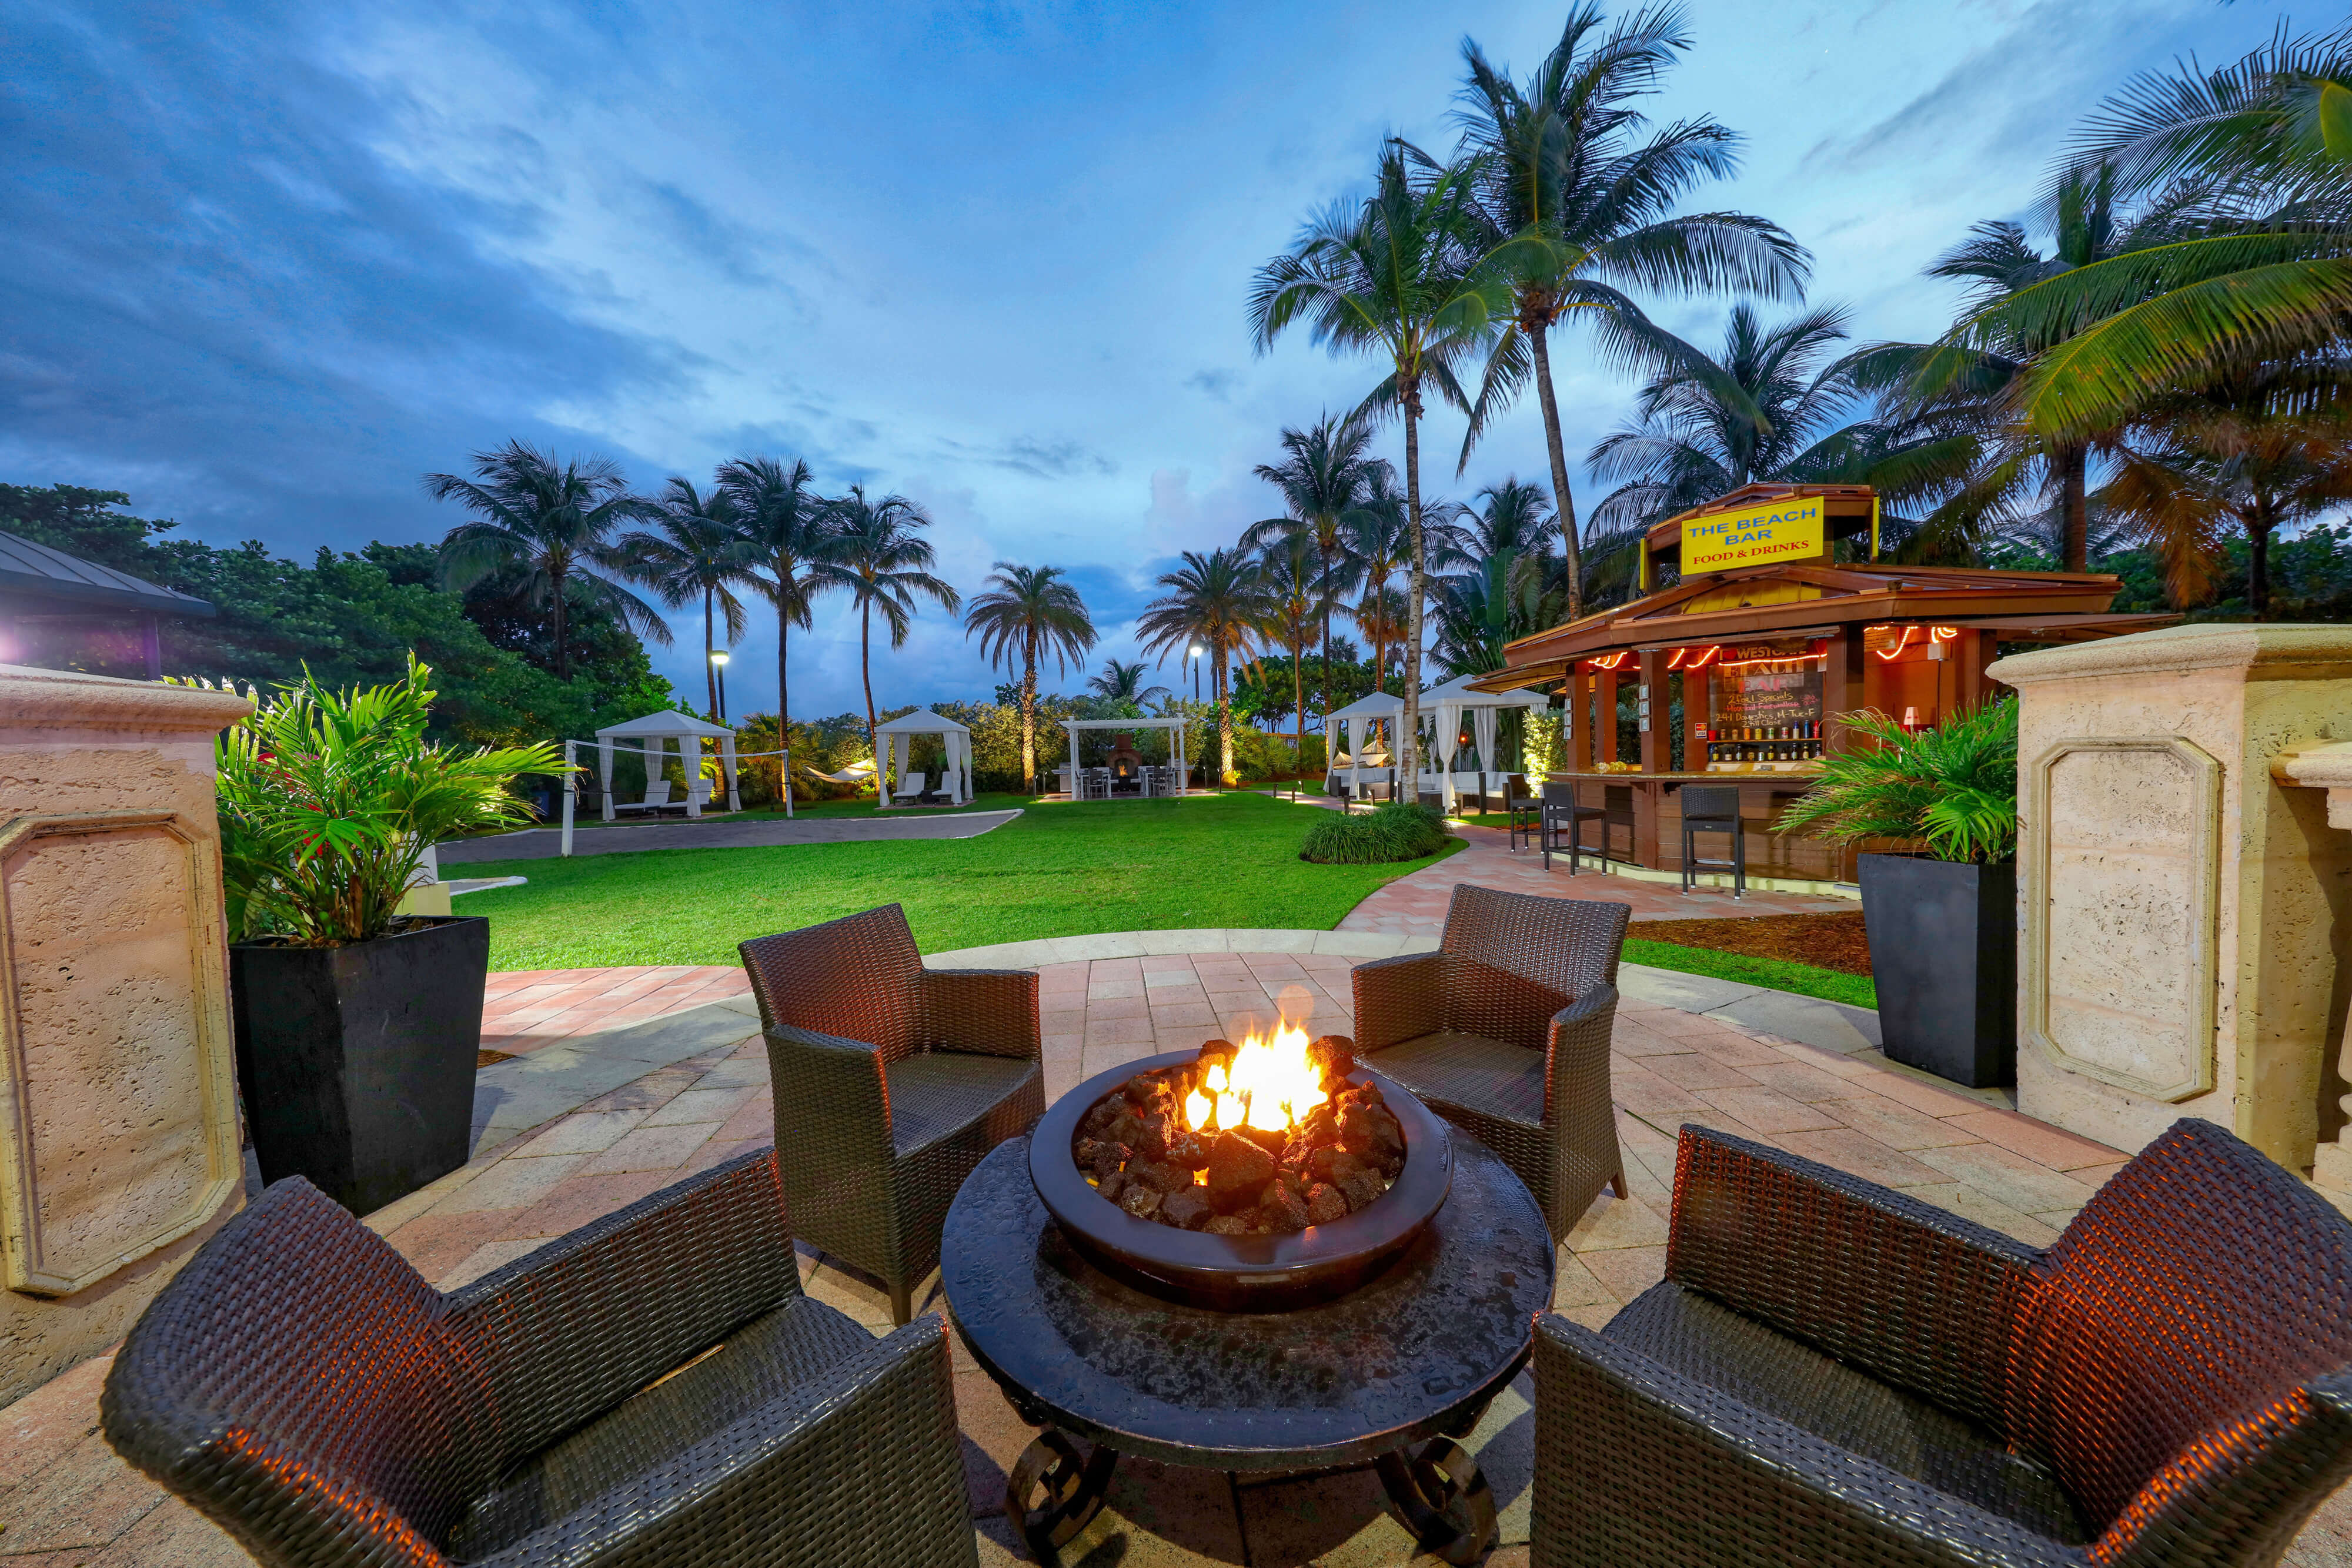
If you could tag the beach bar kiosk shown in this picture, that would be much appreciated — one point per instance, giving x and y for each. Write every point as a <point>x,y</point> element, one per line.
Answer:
<point>1760,617</point>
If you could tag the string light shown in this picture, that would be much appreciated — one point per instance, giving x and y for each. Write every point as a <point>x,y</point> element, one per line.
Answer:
<point>1891,655</point>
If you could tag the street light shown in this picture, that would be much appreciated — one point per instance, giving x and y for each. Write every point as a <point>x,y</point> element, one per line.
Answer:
<point>719,664</point>
<point>1194,653</point>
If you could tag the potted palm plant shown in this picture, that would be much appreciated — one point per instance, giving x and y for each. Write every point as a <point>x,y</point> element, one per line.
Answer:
<point>1941,905</point>
<point>356,1025</point>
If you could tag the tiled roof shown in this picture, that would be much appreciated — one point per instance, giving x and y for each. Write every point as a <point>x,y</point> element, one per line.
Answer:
<point>63,584</point>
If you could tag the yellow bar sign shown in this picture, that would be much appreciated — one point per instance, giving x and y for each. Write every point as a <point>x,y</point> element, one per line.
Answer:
<point>1778,530</point>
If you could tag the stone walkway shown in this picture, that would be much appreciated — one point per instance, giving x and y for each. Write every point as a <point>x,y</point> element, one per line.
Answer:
<point>1415,905</point>
<point>67,1500</point>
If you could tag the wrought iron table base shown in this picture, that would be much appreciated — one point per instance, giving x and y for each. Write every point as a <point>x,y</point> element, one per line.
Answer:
<point>1437,1489</point>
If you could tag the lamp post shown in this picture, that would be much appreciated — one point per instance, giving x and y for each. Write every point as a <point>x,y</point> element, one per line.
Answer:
<point>1194,653</point>
<point>719,662</point>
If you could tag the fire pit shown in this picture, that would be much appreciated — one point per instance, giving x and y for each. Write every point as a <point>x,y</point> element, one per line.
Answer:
<point>1252,1176</point>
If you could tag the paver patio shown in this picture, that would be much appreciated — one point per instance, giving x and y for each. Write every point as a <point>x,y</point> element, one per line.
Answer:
<point>67,1500</point>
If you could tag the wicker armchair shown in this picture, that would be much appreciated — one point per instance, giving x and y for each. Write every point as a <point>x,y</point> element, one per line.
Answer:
<point>892,1083</point>
<point>1835,1372</point>
<point>1504,1032</point>
<point>301,1385</point>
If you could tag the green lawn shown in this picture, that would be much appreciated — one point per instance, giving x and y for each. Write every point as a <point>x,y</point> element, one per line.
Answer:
<point>1779,974</point>
<point>1058,870</point>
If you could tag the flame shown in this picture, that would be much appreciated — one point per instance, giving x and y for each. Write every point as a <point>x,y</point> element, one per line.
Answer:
<point>1271,1086</point>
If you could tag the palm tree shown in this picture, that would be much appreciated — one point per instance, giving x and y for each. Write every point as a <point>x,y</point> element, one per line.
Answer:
<point>1215,601</point>
<point>1977,377</point>
<point>2260,153</point>
<point>1292,587</point>
<point>1566,162</point>
<point>1401,276</point>
<point>788,529</point>
<point>1708,425</point>
<point>695,551</point>
<point>1123,683</point>
<point>879,558</point>
<point>549,526</point>
<point>1378,543</point>
<point>1029,610</point>
<point>1322,477</point>
<point>2203,464</point>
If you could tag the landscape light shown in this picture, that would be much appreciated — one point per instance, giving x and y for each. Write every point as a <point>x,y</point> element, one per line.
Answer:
<point>719,655</point>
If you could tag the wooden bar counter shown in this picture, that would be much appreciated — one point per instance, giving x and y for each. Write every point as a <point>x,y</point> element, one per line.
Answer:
<point>1656,837</point>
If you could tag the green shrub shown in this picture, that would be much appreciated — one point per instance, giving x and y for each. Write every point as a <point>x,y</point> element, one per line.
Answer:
<point>1396,831</point>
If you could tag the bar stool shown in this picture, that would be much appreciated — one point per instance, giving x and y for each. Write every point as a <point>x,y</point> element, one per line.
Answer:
<point>1713,809</point>
<point>1616,812</point>
<point>1525,810</point>
<point>1563,812</point>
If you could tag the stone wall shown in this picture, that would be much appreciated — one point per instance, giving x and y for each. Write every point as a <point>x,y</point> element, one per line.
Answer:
<point>2182,912</point>
<point>118,1146</point>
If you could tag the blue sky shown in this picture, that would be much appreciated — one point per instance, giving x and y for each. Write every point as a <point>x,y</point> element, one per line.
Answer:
<point>264,264</point>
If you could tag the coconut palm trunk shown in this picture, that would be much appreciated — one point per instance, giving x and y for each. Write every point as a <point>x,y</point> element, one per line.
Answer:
<point>1408,752</point>
<point>1224,695</point>
<point>2074,550</point>
<point>865,675</point>
<point>1539,341</point>
<point>555,576</point>
<point>1029,712</point>
<point>710,670</point>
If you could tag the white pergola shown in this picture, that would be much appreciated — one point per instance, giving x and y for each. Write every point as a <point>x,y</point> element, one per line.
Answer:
<point>1173,725</point>
<point>1442,707</point>
<point>652,736</point>
<point>897,737</point>
<point>1345,732</point>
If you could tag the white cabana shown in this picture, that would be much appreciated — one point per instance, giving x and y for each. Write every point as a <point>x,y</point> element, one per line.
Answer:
<point>1346,731</point>
<point>1443,707</point>
<point>898,741</point>
<point>1173,725</point>
<point>653,735</point>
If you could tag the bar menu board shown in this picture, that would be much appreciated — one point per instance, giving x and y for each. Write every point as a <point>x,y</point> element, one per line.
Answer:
<point>1767,687</point>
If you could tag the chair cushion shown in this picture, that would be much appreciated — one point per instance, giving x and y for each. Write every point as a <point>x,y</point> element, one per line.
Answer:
<point>1709,1343</point>
<point>936,1092</point>
<point>2202,1284</point>
<point>1471,1070</point>
<point>755,1366</point>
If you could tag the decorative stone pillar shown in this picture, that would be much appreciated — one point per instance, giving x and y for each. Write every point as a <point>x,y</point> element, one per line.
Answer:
<point>2180,909</point>
<point>118,1146</point>
<point>2329,767</point>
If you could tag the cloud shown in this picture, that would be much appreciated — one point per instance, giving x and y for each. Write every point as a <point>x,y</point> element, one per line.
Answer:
<point>1218,384</point>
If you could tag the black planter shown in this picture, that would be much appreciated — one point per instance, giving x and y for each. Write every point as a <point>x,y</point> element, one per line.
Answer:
<point>1943,953</point>
<point>357,1063</point>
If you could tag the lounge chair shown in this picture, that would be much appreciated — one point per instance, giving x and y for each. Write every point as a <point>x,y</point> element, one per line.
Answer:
<point>652,1387</point>
<point>656,798</point>
<point>910,788</point>
<point>1835,1372</point>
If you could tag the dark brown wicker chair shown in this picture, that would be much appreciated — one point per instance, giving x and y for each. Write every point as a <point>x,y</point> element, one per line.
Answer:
<point>302,1386</point>
<point>1504,1032</point>
<point>1834,1373</point>
<point>892,1083</point>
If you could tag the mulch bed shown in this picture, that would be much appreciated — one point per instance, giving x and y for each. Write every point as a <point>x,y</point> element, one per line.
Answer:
<point>1824,941</point>
<point>486,1057</point>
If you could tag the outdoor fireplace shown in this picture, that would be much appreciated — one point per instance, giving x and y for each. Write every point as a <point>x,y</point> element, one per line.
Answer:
<point>1126,762</point>
<point>1255,1176</point>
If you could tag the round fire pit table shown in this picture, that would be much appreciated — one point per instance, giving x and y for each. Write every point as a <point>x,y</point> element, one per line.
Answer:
<point>1391,1372</point>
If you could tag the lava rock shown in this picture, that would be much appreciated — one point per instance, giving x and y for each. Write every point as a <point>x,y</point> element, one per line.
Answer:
<point>1273,1141</point>
<point>1140,1199</point>
<point>1159,1176</point>
<point>1109,1156</point>
<point>1238,1171</point>
<point>1334,1055</point>
<point>1361,1190</point>
<point>1188,1208</point>
<point>1153,1133</point>
<point>1292,1180</point>
<point>1112,1186</point>
<point>1370,1133</point>
<point>1325,1204</point>
<point>1099,1119</point>
<point>1322,1126</point>
<point>1333,1165</point>
<point>1189,1150</point>
<point>1281,1210</point>
<point>1227,1224</point>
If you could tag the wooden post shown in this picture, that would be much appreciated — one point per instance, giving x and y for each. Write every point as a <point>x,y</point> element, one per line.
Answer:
<point>1604,712</point>
<point>1657,757</point>
<point>1580,724</point>
<point>1842,678</point>
<point>1971,652</point>
<point>1699,718</point>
